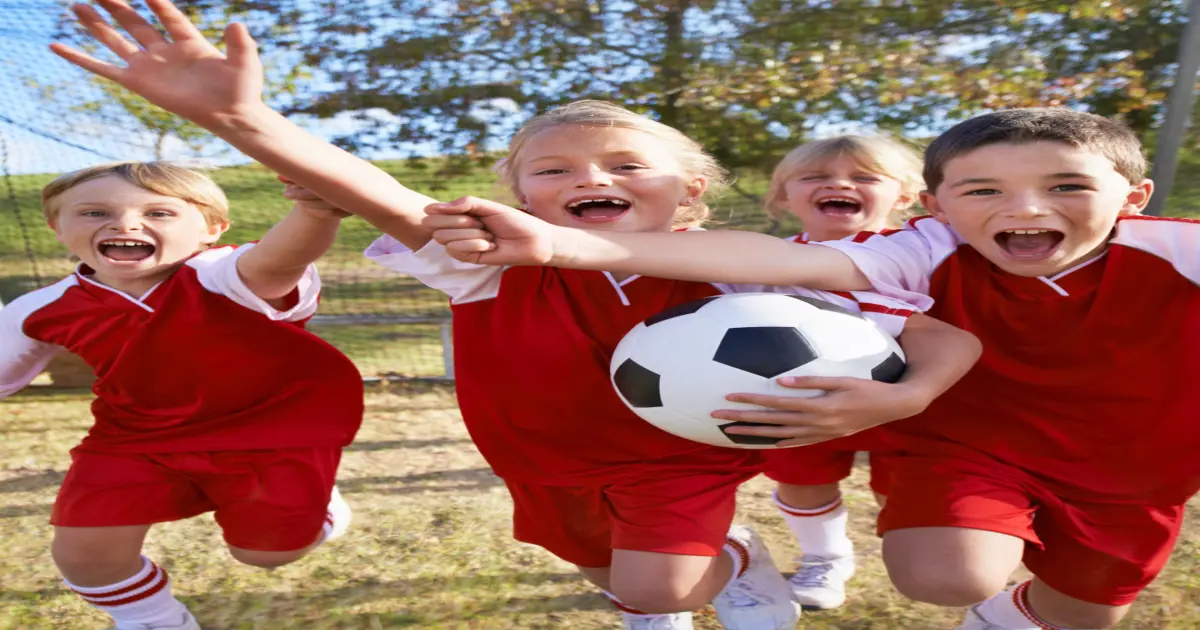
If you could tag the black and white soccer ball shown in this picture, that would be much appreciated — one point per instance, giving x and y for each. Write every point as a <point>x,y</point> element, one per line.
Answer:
<point>674,369</point>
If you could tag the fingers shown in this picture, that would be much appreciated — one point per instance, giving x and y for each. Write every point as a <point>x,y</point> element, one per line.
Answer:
<point>451,222</point>
<point>177,25</point>
<point>88,62</point>
<point>806,435</point>
<point>103,32</point>
<point>240,48</point>
<point>138,28</point>
<point>446,237</point>
<point>782,403</point>
<point>827,383</point>
<point>469,250</point>
<point>469,205</point>
<point>298,193</point>
<point>768,416</point>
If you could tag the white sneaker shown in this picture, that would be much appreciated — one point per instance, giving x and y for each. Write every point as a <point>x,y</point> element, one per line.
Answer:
<point>189,623</point>
<point>820,581</point>
<point>673,621</point>
<point>339,514</point>
<point>975,621</point>
<point>761,599</point>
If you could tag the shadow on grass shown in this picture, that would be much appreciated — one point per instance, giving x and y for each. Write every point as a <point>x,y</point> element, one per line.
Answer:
<point>440,481</point>
<point>18,511</point>
<point>386,445</point>
<point>31,482</point>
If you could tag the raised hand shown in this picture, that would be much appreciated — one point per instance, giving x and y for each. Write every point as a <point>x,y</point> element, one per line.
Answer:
<point>308,201</point>
<point>181,72</point>
<point>489,233</point>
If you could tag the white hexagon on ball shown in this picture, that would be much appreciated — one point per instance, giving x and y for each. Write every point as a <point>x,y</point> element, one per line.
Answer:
<point>674,369</point>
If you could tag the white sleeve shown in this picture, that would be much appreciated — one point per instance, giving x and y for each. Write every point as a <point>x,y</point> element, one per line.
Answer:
<point>217,272</point>
<point>888,313</point>
<point>432,266</point>
<point>1176,241</point>
<point>21,358</point>
<point>900,264</point>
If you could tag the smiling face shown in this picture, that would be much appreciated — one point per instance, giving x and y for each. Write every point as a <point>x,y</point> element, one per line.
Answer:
<point>131,237</point>
<point>604,178</point>
<point>1035,208</point>
<point>839,197</point>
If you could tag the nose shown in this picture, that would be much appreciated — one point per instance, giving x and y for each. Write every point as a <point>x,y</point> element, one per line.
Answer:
<point>593,176</point>
<point>840,183</point>
<point>1027,206</point>
<point>126,222</point>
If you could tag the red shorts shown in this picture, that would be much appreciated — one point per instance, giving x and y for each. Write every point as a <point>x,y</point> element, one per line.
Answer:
<point>1103,553</point>
<point>677,513</point>
<point>263,500</point>
<point>830,462</point>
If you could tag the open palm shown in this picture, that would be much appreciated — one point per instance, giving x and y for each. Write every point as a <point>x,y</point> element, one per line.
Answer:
<point>181,72</point>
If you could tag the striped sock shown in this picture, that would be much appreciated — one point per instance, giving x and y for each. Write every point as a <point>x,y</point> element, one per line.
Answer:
<point>1010,610</point>
<point>142,599</point>
<point>820,531</point>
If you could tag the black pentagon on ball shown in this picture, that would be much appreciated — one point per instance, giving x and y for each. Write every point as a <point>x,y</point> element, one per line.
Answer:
<point>749,439</point>
<point>687,308</point>
<point>637,384</point>
<point>767,351</point>
<point>826,306</point>
<point>889,370</point>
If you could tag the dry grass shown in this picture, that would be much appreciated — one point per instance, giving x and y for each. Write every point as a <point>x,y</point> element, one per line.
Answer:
<point>429,548</point>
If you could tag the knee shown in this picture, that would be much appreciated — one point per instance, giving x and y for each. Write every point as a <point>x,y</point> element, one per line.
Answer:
<point>942,585</point>
<point>1097,617</point>
<point>655,599</point>
<point>73,560</point>
<point>265,559</point>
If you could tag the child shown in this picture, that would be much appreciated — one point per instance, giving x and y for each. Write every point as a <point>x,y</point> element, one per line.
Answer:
<point>1071,445</point>
<point>837,187</point>
<point>644,514</point>
<point>210,396</point>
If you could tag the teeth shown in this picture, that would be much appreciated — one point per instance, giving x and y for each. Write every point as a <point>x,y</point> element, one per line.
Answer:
<point>1026,231</point>
<point>845,199</point>
<point>124,243</point>
<point>578,202</point>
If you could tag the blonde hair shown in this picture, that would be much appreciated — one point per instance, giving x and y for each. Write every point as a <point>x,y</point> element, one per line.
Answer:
<point>163,178</point>
<point>877,154</point>
<point>590,113</point>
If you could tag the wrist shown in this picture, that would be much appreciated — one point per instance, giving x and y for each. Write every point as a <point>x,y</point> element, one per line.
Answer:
<point>253,117</point>
<point>563,248</point>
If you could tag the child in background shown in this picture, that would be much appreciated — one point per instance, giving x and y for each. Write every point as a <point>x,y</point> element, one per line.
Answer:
<point>838,187</point>
<point>1071,445</point>
<point>210,395</point>
<point>644,514</point>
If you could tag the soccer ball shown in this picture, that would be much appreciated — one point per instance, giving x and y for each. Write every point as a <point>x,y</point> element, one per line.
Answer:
<point>674,369</point>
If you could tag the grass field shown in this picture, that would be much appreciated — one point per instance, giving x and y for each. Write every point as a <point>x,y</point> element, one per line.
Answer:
<point>429,547</point>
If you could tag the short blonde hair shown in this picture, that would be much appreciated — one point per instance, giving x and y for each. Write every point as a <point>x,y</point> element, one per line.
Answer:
<point>696,162</point>
<point>163,178</point>
<point>881,155</point>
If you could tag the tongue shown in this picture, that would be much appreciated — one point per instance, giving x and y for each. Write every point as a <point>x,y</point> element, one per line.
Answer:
<point>603,212</point>
<point>121,252</point>
<point>1031,245</point>
<point>839,209</point>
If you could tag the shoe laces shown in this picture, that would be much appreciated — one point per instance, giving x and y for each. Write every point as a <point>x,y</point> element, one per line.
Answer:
<point>742,594</point>
<point>813,572</point>
<point>655,622</point>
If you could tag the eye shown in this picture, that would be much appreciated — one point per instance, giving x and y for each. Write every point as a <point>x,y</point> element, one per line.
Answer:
<point>630,167</point>
<point>811,177</point>
<point>1069,188</point>
<point>160,214</point>
<point>870,179</point>
<point>550,171</point>
<point>980,192</point>
<point>93,213</point>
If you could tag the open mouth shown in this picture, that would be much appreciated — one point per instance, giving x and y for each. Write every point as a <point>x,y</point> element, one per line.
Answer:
<point>1034,244</point>
<point>839,206</point>
<point>599,208</point>
<point>125,250</point>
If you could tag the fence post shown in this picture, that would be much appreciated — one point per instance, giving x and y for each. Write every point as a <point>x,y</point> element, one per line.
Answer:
<point>448,348</point>
<point>1178,113</point>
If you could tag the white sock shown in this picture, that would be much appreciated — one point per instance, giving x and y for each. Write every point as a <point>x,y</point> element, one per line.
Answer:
<point>1010,610</point>
<point>621,606</point>
<point>337,517</point>
<point>144,598</point>
<point>740,554</point>
<point>820,531</point>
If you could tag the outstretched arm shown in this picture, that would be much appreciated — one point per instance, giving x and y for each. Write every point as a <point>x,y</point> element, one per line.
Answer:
<point>273,268</point>
<point>186,74</point>
<point>485,232</point>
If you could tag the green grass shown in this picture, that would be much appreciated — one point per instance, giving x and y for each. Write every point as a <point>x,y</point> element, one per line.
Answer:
<point>430,546</point>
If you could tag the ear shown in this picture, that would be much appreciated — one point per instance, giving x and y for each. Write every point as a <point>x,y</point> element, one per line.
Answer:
<point>930,202</point>
<point>695,190</point>
<point>906,200</point>
<point>1138,198</point>
<point>215,230</point>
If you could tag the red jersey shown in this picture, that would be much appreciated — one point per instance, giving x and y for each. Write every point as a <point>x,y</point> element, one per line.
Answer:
<point>1087,377</point>
<point>198,363</point>
<point>532,347</point>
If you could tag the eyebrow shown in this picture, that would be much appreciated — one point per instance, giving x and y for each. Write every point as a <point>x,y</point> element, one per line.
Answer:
<point>989,180</point>
<point>609,154</point>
